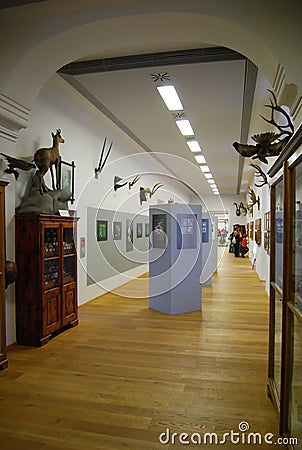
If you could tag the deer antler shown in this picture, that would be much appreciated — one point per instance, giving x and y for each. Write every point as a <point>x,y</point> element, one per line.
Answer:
<point>101,162</point>
<point>135,180</point>
<point>253,199</point>
<point>282,128</point>
<point>260,174</point>
<point>155,188</point>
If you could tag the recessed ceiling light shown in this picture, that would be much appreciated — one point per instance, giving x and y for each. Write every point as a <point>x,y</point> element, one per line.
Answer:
<point>200,159</point>
<point>205,168</point>
<point>208,175</point>
<point>216,193</point>
<point>211,181</point>
<point>194,146</point>
<point>170,97</point>
<point>185,127</point>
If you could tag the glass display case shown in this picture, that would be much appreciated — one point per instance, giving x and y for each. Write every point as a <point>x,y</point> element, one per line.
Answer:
<point>285,349</point>
<point>46,289</point>
<point>3,359</point>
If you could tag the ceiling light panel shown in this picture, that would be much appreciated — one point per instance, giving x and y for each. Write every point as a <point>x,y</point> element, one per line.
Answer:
<point>208,175</point>
<point>200,159</point>
<point>185,127</point>
<point>205,169</point>
<point>170,97</point>
<point>194,146</point>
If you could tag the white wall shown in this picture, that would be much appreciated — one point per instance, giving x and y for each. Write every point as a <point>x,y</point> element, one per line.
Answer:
<point>84,129</point>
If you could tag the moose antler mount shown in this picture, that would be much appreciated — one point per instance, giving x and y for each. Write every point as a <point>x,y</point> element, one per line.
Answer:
<point>268,144</point>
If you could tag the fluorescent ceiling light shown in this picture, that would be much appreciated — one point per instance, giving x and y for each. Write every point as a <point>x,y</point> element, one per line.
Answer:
<point>205,168</point>
<point>194,146</point>
<point>200,159</point>
<point>208,175</point>
<point>213,186</point>
<point>170,97</point>
<point>211,181</point>
<point>185,127</point>
<point>216,193</point>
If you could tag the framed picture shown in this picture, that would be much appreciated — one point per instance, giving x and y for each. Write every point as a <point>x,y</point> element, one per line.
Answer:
<point>159,237</point>
<point>147,232</point>
<point>101,230</point>
<point>139,230</point>
<point>67,177</point>
<point>117,231</point>
<point>82,247</point>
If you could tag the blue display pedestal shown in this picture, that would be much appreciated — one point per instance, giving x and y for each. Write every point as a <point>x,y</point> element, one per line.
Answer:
<point>209,248</point>
<point>175,258</point>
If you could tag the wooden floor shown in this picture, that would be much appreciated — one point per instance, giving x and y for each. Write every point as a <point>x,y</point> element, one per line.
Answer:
<point>127,373</point>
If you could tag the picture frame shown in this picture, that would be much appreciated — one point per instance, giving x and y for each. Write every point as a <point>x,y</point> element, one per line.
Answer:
<point>147,232</point>
<point>139,230</point>
<point>101,230</point>
<point>117,231</point>
<point>66,174</point>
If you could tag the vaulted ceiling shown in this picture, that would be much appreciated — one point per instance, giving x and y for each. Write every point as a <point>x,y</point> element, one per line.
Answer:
<point>221,91</point>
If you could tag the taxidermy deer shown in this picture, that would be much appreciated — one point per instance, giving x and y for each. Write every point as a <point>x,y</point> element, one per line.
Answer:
<point>45,158</point>
<point>270,143</point>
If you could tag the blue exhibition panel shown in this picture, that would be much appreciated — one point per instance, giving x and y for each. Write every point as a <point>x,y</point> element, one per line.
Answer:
<point>175,258</point>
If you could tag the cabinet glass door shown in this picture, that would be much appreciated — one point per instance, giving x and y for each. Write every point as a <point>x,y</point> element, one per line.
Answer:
<point>276,293</point>
<point>295,314</point>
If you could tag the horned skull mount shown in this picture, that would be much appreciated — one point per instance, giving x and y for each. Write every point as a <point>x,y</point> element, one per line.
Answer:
<point>143,192</point>
<point>270,143</point>
<point>240,208</point>
<point>102,162</point>
<point>117,182</point>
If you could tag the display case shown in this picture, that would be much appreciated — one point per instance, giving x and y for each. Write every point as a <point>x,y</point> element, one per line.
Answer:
<point>3,359</point>
<point>285,349</point>
<point>46,286</point>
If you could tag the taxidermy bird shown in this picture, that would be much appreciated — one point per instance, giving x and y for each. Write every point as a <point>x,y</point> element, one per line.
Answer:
<point>9,164</point>
<point>266,145</point>
<point>270,143</point>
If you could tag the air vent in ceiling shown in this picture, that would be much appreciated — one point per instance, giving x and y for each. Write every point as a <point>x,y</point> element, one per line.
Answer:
<point>200,55</point>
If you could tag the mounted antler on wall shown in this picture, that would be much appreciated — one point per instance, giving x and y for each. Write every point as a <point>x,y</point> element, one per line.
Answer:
<point>144,191</point>
<point>101,162</point>
<point>270,143</point>
<point>135,180</point>
<point>117,182</point>
<point>255,200</point>
<point>260,174</point>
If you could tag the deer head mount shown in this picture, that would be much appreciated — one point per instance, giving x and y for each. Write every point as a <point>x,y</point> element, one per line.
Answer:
<point>143,192</point>
<point>102,162</point>
<point>260,174</point>
<point>117,182</point>
<point>270,143</point>
<point>239,209</point>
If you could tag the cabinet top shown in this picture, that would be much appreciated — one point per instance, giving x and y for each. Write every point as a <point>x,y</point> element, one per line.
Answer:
<point>4,183</point>
<point>46,218</point>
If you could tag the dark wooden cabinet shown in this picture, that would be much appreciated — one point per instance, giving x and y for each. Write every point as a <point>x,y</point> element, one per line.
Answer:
<point>46,286</point>
<point>3,360</point>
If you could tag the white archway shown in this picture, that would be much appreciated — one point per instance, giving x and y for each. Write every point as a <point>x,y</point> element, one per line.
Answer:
<point>126,35</point>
